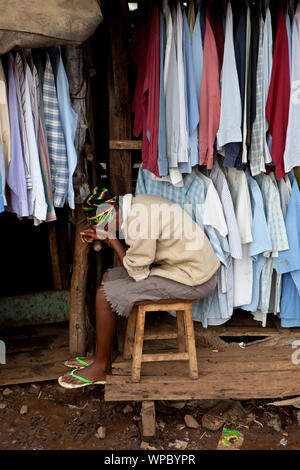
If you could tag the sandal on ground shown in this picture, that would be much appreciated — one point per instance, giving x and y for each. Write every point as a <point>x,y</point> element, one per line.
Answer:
<point>80,361</point>
<point>85,382</point>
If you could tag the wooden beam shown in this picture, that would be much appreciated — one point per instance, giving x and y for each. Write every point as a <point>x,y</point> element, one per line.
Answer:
<point>119,99</point>
<point>125,144</point>
<point>235,385</point>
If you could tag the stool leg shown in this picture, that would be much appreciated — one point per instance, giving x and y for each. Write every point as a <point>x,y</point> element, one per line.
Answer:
<point>190,337</point>
<point>180,329</point>
<point>138,345</point>
<point>129,339</point>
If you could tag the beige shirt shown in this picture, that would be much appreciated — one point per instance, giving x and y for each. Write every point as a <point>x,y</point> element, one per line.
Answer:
<point>164,241</point>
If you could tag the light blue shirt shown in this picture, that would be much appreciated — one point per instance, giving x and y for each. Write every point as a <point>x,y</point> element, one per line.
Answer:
<point>163,166</point>
<point>69,119</point>
<point>191,100</point>
<point>288,264</point>
<point>261,240</point>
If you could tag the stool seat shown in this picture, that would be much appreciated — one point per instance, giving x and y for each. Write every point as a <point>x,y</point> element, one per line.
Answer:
<point>185,336</point>
<point>164,301</point>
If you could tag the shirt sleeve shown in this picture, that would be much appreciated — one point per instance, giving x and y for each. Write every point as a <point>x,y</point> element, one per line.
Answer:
<point>139,256</point>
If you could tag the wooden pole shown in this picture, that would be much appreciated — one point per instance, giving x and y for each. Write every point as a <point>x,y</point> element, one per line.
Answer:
<point>119,100</point>
<point>57,281</point>
<point>77,327</point>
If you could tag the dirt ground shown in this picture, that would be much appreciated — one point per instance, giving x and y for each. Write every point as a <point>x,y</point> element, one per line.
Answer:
<point>44,416</point>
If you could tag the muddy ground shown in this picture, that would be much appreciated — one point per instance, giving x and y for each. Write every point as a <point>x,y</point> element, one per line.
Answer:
<point>45,416</point>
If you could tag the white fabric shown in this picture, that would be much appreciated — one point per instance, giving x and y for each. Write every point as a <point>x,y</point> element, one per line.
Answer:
<point>220,183</point>
<point>125,202</point>
<point>291,155</point>
<point>213,214</point>
<point>36,196</point>
<point>248,40</point>
<point>174,173</point>
<point>231,107</point>
<point>182,155</point>
<point>242,268</point>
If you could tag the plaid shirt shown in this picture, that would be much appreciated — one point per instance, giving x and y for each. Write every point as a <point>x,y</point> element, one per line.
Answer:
<point>55,138</point>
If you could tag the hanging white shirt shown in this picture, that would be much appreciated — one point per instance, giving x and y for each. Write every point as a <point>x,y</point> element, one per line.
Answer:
<point>291,154</point>
<point>231,106</point>
<point>170,82</point>
<point>248,42</point>
<point>182,155</point>
<point>36,196</point>
<point>242,268</point>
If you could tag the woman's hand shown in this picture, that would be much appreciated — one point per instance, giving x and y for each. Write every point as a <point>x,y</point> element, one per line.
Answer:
<point>90,235</point>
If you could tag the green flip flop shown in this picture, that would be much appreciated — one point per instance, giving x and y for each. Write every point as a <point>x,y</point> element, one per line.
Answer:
<point>85,382</point>
<point>79,360</point>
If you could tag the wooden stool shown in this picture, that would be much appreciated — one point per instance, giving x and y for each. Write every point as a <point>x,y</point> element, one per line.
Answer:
<point>135,335</point>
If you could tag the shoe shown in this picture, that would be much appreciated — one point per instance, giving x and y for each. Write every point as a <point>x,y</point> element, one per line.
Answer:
<point>85,382</point>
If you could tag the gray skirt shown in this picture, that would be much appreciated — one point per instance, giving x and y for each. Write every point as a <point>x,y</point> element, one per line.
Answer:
<point>122,292</point>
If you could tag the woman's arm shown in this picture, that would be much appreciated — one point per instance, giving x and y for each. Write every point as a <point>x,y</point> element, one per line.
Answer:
<point>89,235</point>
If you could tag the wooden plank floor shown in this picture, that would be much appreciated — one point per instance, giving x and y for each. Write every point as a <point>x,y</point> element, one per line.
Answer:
<point>34,354</point>
<point>262,369</point>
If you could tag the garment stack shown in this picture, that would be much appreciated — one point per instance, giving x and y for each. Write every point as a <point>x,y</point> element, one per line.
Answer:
<point>37,132</point>
<point>216,103</point>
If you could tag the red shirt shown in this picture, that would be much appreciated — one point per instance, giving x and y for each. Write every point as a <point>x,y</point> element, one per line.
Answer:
<point>277,107</point>
<point>146,97</point>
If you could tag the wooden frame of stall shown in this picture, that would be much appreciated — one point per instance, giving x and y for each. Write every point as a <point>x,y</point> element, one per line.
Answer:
<point>257,363</point>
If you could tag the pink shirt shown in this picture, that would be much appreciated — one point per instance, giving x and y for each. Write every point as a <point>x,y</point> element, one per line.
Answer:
<point>210,98</point>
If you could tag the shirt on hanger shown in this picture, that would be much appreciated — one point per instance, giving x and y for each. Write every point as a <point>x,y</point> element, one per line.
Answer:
<point>162,151</point>
<point>171,98</point>
<point>288,264</point>
<point>261,241</point>
<point>292,145</point>
<point>277,107</point>
<point>233,150</point>
<point>69,121</point>
<point>231,110</point>
<point>242,268</point>
<point>191,100</point>
<point>56,141</point>
<point>210,98</point>
<point>4,119</point>
<point>16,177</point>
<point>20,89</point>
<point>182,154</point>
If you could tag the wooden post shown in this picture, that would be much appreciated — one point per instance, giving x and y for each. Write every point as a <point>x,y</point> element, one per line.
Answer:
<point>119,100</point>
<point>180,328</point>
<point>190,340</point>
<point>138,345</point>
<point>77,328</point>
<point>57,282</point>
<point>130,331</point>
<point>120,171</point>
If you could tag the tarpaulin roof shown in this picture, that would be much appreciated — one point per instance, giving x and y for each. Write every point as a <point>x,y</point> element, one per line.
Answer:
<point>44,23</point>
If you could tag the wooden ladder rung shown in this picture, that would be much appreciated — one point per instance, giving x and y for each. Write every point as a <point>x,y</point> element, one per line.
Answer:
<point>149,337</point>
<point>182,356</point>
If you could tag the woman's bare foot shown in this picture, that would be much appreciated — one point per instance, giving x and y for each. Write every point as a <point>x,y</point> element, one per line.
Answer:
<point>76,362</point>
